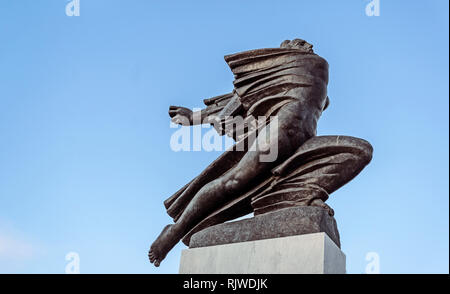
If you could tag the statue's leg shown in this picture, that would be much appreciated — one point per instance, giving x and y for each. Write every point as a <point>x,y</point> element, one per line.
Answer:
<point>284,136</point>
<point>319,167</point>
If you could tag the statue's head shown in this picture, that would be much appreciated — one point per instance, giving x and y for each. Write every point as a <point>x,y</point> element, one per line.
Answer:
<point>297,44</point>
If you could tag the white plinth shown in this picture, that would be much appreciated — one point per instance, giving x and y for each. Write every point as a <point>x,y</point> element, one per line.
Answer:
<point>302,254</point>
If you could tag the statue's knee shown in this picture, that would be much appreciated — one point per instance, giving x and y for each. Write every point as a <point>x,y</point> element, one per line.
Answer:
<point>234,182</point>
<point>365,151</point>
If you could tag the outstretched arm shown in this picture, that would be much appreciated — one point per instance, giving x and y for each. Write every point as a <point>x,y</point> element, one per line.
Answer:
<point>186,117</point>
<point>217,109</point>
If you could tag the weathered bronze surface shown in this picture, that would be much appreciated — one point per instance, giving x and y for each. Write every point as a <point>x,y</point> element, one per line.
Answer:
<point>287,83</point>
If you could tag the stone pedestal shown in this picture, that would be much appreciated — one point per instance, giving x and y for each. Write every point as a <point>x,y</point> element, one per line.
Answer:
<point>296,240</point>
<point>285,222</point>
<point>302,254</point>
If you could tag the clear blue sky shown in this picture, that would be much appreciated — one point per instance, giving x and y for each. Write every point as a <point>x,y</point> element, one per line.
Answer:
<point>85,161</point>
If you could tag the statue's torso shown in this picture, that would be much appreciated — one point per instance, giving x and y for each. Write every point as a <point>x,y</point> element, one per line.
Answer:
<point>268,79</point>
<point>279,74</point>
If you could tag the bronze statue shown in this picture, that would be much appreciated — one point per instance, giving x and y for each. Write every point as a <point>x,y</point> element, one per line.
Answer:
<point>288,87</point>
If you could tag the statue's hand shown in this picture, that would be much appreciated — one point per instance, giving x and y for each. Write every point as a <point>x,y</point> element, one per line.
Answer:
<point>181,115</point>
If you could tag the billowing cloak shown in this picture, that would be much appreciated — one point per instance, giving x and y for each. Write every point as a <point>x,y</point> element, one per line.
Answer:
<point>264,81</point>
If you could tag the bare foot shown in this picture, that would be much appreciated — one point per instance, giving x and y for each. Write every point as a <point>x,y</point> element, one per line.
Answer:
<point>319,203</point>
<point>165,241</point>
